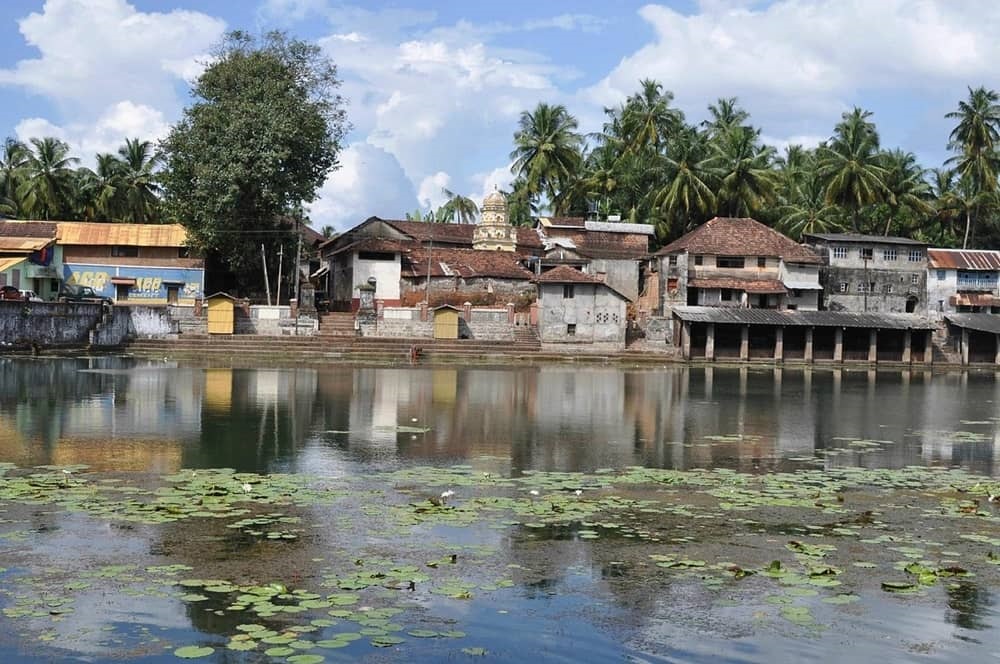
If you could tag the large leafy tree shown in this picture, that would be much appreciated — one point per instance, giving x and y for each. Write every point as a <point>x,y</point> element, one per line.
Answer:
<point>547,150</point>
<point>262,134</point>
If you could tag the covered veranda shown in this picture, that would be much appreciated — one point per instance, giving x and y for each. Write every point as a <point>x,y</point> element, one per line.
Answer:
<point>975,337</point>
<point>716,333</point>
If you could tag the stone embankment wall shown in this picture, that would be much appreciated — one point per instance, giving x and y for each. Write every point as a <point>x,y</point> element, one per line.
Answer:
<point>56,324</point>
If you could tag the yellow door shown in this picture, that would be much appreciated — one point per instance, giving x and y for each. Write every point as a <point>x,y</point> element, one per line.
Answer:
<point>220,316</point>
<point>446,324</point>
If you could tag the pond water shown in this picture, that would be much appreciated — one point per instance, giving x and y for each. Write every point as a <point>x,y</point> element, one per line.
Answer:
<point>151,511</point>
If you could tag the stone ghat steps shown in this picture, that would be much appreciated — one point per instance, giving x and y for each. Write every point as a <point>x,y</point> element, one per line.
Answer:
<point>337,325</point>
<point>323,346</point>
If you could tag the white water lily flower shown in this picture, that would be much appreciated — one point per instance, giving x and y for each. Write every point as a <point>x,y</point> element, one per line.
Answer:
<point>448,494</point>
<point>247,488</point>
<point>534,492</point>
<point>578,492</point>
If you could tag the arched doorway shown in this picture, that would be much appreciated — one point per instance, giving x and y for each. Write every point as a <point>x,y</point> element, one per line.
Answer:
<point>911,304</point>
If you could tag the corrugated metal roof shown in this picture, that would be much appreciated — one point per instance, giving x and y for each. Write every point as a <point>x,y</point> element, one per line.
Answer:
<point>739,316</point>
<point>748,285</point>
<point>979,322</point>
<point>132,235</point>
<point>619,227</point>
<point>964,259</point>
<point>23,244</point>
<point>857,237</point>
<point>7,263</point>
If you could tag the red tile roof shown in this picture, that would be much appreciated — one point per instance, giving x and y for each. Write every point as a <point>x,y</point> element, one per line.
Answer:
<point>183,263</point>
<point>565,274</point>
<point>748,285</point>
<point>465,263</point>
<point>964,259</point>
<point>740,236</point>
<point>457,234</point>
<point>46,229</point>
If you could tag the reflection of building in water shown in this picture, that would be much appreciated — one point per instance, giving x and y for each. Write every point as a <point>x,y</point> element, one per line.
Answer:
<point>219,390</point>
<point>104,412</point>
<point>268,420</point>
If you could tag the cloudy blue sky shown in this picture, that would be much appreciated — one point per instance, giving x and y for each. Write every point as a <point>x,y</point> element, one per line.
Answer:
<point>435,88</point>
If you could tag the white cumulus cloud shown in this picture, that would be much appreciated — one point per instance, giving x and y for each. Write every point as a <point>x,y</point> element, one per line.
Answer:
<point>369,182</point>
<point>91,51</point>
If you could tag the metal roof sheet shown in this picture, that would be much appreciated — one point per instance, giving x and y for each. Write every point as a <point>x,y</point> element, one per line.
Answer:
<point>133,235</point>
<point>24,244</point>
<point>964,259</point>
<point>798,318</point>
<point>979,322</point>
<point>7,263</point>
<point>620,227</point>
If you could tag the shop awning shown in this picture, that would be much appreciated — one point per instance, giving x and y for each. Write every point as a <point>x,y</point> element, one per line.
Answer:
<point>123,281</point>
<point>320,272</point>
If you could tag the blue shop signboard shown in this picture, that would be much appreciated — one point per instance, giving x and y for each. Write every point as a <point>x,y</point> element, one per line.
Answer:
<point>151,283</point>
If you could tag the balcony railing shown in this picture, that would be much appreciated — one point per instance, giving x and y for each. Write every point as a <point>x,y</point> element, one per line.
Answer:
<point>733,273</point>
<point>978,285</point>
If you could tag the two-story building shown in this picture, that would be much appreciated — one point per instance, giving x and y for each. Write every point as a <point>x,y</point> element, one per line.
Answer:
<point>29,257</point>
<point>738,262</point>
<point>139,263</point>
<point>611,250</point>
<point>872,273</point>
<point>963,281</point>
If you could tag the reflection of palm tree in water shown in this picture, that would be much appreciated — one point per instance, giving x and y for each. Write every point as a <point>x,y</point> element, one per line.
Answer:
<point>968,606</point>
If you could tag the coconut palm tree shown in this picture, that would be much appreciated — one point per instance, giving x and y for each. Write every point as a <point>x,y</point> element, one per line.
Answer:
<point>906,185</point>
<point>547,150</point>
<point>462,208</point>
<point>687,191</point>
<point>725,114</point>
<point>46,190</point>
<point>13,159</point>
<point>98,192</point>
<point>139,189</point>
<point>746,180</point>
<point>647,119</point>
<point>975,140</point>
<point>849,165</point>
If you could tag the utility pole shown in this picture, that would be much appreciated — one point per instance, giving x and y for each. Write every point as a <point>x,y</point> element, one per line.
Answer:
<point>277,289</point>
<point>298,258</point>
<point>429,252</point>
<point>267,285</point>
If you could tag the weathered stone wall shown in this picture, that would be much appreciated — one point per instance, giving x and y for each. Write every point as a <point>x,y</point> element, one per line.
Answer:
<point>594,314</point>
<point>47,324</point>
<point>274,321</point>
<point>890,293</point>
<point>477,290</point>
<point>153,322</point>
<point>622,275</point>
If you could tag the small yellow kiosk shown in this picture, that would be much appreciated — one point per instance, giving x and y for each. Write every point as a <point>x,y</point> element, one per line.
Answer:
<point>221,313</point>
<point>446,322</point>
